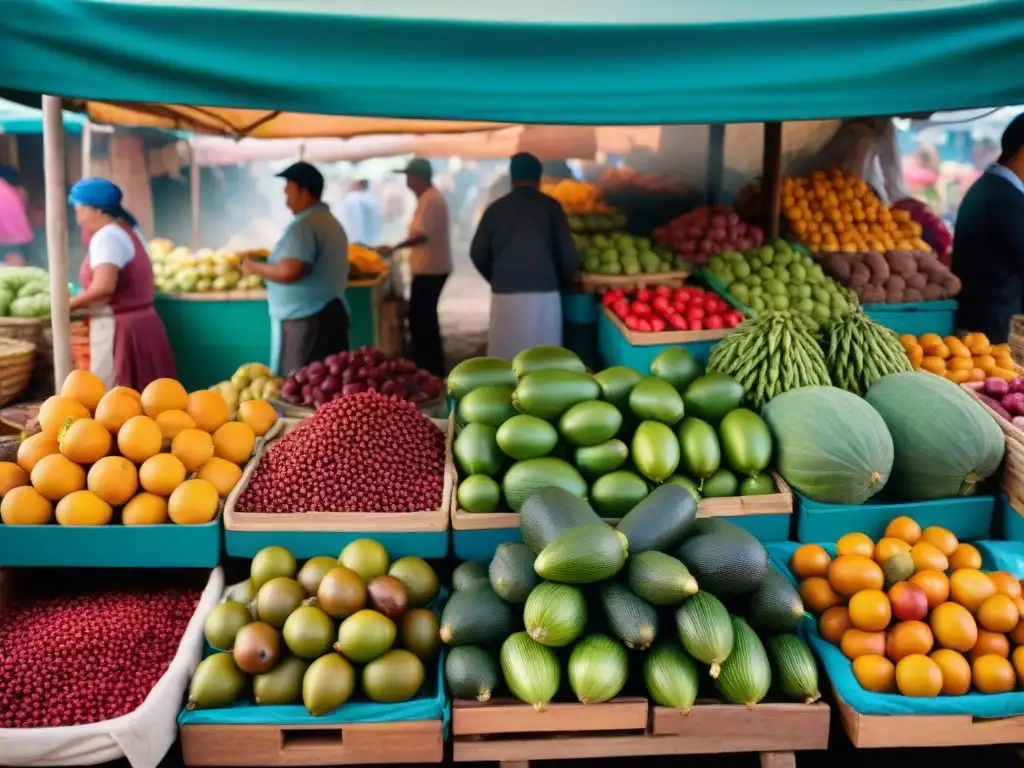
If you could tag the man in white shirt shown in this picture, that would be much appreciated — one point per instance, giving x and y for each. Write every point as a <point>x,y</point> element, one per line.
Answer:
<point>360,214</point>
<point>430,261</point>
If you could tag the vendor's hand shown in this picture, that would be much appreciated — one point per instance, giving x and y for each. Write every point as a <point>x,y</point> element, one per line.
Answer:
<point>249,266</point>
<point>385,250</point>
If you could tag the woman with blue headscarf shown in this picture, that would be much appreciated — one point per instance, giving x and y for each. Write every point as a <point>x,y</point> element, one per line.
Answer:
<point>128,344</point>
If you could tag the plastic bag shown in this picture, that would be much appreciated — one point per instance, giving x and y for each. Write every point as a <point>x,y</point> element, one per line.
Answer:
<point>143,736</point>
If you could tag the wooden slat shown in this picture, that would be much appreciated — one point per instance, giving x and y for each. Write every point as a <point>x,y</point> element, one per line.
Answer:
<point>504,716</point>
<point>641,339</point>
<point>766,727</point>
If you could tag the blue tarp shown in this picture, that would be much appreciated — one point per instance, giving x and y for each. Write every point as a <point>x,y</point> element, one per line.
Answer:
<point>532,61</point>
<point>17,119</point>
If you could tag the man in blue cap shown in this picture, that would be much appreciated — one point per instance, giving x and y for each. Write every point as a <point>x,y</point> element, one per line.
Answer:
<point>523,247</point>
<point>306,276</point>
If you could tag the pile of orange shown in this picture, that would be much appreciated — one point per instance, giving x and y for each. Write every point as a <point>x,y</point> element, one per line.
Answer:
<point>158,455</point>
<point>971,358</point>
<point>575,196</point>
<point>835,211</point>
<point>915,613</point>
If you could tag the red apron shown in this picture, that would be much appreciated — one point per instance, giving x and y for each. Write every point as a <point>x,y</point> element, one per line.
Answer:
<point>128,344</point>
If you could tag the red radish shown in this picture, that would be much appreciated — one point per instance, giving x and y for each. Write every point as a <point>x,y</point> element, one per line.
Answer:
<point>714,322</point>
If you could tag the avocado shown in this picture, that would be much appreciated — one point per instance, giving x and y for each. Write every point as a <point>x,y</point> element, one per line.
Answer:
<point>511,572</point>
<point>308,632</point>
<point>365,635</point>
<point>257,647</point>
<point>524,478</point>
<point>270,563</point>
<point>419,633</point>
<point>395,676</point>
<point>616,383</point>
<point>217,682</point>
<point>313,571</point>
<point>479,372</point>
<point>676,366</point>
<point>725,559</point>
<point>712,396</point>
<point>762,485</point>
<point>655,450</point>
<point>282,684</point>
<point>590,423</point>
<point>546,358</point>
<point>223,624</point>
<point>701,454</point>
<point>583,554</point>
<point>475,616</point>
<point>548,394</point>
<point>526,437</point>
<point>467,574</point>
<point>491,406</point>
<point>661,521</point>
<point>746,442</point>
<point>597,460</point>
<point>628,617</point>
<point>327,684</point>
<point>419,578</point>
<point>653,399</point>
<point>775,606</point>
<point>549,511</point>
<point>471,673</point>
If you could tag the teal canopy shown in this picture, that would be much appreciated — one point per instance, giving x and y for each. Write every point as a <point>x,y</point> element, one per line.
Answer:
<point>18,119</point>
<point>526,61</point>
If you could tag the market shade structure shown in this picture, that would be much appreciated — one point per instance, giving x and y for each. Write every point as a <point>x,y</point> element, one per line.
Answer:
<point>534,61</point>
<point>17,119</point>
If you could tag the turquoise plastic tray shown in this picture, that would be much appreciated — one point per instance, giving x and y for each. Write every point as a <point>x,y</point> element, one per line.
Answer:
<point>840,671</point>
<point>616,350</point>
<point>969,517</point>
<point>480,545</point>
<point>111,546</point>
<point>1010,523</point>
<point>580,308</point>
<point>767,528</point>
<point>305,544</point>
<point>917,317</point>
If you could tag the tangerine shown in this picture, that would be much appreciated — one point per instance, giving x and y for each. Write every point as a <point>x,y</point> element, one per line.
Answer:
<point>56,410</point>
<point>84,441</point>
<point>193,447</point>
<point>222,473</point>
<point>84,387</point>
<point>161,474</point>
<point>145,509</point>
<point>115,409</point>
<point>234,441</point>
<point>172,422</point>
<point>833,622</point>
<point>849,574</point>
<point>886,548</point>
<point>908,637</point>
<point>83,508</point>
<point>194,502</point>
<point>24,505</point>
<point>855,544</point>
<point>259,415</point>
<point>928,557</point>
<point>139,439</point>
<point>875,673</point>
<point>818,595</point>
<point>956,671</point>
<point>953,627</point>
<point>918,676</point>
<point>935,586</point>
<point>970,588</point>
<point>34,447</point>
<point>903,528</point>
<point>208,409</point>
<point>993,674</point>
<point>941,538</point>
<point>809,560</point>
<point>11,476</point>
<point>989,643</point>
<point>998,614</point>
<point>163,395</point>
<point>55,476</point>
<point>1006,584</point>
<point>114,479</point>
<point>965,556</point>
<point>870,610</point>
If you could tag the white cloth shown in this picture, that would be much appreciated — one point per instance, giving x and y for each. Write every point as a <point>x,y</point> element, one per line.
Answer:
<point>523,320</point>
<point>112,245</point>
<point>102,330</point>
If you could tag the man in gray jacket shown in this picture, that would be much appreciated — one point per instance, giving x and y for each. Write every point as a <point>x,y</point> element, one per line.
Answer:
<point>523,248</point>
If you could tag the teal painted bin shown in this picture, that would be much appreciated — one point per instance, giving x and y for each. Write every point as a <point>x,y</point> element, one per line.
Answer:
<point>580,308</point>
<point>111,546</point>
<point>480,545</point>
<point>916,317</point>
<point>616,349</point>
<point>968,517</point>
<point>766,528</point>
<point>306,544</point>
<point>1010,520</point>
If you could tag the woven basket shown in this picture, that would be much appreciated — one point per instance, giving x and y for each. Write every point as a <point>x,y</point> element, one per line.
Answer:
<point>80,358</point>
<point>17,361</point>
<point>28,329</point>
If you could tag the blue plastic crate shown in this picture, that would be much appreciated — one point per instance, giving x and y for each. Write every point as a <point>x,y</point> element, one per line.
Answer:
<point>305,544</point>
<point>969,517</point>
<point>111,546</point>
<point>580,308</point>
<point>1010,522</point>
<point>480,545</point>
<point>767,528</point>
<point>616,350</point>
<point>916,317</point>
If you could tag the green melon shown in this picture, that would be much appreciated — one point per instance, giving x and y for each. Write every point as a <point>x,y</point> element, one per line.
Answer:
<point>945,443</point>
<point>830,444</point>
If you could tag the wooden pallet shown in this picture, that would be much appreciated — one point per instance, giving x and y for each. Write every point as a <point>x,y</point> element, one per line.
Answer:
<point>891,731</point>
<point>271,745</point>
<point>513,734</point>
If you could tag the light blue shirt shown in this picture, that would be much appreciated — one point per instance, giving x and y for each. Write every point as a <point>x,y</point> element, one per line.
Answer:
<point>1002,171</point>
<point>360,214</point>
<point>316,238</point>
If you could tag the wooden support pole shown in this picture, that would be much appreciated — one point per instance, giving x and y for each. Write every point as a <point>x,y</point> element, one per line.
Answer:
<point>194,173</point>
<point>771,180</point>
<point>86,149</point>
<point>715,175</point>
<point>57,235</point>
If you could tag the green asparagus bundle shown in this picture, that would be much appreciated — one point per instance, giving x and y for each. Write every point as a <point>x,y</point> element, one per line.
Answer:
<point>771,354</point>
<point>860,352</point>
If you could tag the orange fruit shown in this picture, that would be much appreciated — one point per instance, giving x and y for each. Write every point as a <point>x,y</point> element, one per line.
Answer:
<point>193,447</point>
<point>172,422</point>
<point>194,502</point>
<point>818,595</point>
<point>833,622</point>
<point>114,479</point>
<point>115,408</point>
<point>34,447</point>
<point>83,508</point>
<point>234,441</point>
<point>953,627</point>
<point>903,528</point>
<point>855,544</point>
<point>870,610</point>
<point>857,642</point>
<point>1017,634</point>
<point>993,674</point>
<point>918,676</point>
<point>989,643</point>
<point>84,441</point>
<point>942,539</point>
<point>998,614</point>
<point>956,671</point>
<point>258,414</point>
<point>222,473</point>
<point>886,548</point>
<point>161,474</point>
<point>139,439</point>
<point>145,509</point>
<point>163,395</point>
<point>935,586</point>
<point>965,556</point>
<point>11,476</point>
<point>908,637</point>
<point>849,574</point>
<point>1005,584</point>
<point>809,560</point>
<point>928,557</point>
<point>970,588</point>
<point>875,673</point>
<point>56,410</point>
<point>55,476</point>
<point>1017,659</point>
<point>24,505</point>
<point>127,392</point>
<point>208,409</point>
<point>84,387</point>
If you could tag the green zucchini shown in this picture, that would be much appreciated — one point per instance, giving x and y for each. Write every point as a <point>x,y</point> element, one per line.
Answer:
<point>628,617</point>
<point>511,572</point>
<point>555,614</point>
<point>661,521</point>
<point>475,616</point>
<point>794,667</point>
<point>471,673</point>
<point>775,606</point>
<point>530,670</point>
<point>660,579</point>
<point>583,554</point>
<point>670,675</point>
<point>598,669</point>
<point>705,630</point>
<point>746,675</point>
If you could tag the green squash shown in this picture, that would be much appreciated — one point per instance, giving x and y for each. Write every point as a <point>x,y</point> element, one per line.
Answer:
<point>945,443</point>
<point>830,445</point>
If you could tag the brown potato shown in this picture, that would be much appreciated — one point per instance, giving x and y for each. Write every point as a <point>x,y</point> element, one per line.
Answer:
<point>917,281</point>
<point>879,267</point>
<point>902,263</point>
<point>894,284</point>
<point>932,292</point>
<point>872,294</point>
<point>838,265</point>
<point>911,295</point>
<point>951,286</point>
<point>860,275</point>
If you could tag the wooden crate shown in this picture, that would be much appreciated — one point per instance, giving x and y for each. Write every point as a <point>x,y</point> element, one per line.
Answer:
<point>588,282</point>
<point>661,338</point>
<point>271,745</point>
<point>1011,476</point>
<point>890,731</point>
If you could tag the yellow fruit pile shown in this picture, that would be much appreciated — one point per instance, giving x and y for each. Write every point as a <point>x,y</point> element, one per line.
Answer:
<point>972,358</point>
<point>833,211</point>
<point>914,612</point>
<point>162,454</point>
<point>363,262</point>
<point>575,196</point>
